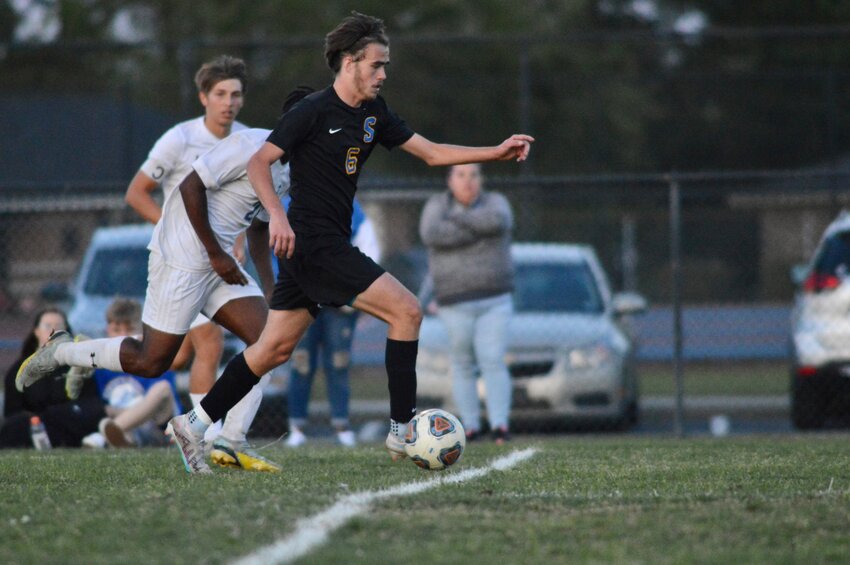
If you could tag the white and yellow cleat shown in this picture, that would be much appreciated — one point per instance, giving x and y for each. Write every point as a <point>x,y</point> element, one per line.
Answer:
<point>240,455</point>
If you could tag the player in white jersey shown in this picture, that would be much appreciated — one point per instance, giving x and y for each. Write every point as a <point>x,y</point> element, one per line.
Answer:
<point>221,85</point>
<point>189,272</point>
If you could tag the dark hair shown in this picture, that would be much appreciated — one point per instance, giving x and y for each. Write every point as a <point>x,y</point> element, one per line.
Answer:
<point>351,36</point>
<point>295,96</point>
<point>221,68</point>
<point>31,342</point>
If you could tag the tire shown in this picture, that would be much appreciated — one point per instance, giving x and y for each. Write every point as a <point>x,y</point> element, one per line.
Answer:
<point>807,410</point>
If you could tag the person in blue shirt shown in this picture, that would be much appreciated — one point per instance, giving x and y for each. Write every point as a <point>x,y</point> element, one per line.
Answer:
<point>328,340</point>
<point>138,408</point>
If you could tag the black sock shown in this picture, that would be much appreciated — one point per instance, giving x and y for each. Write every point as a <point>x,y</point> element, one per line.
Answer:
<point>235,382</point>
<point>401,373</point>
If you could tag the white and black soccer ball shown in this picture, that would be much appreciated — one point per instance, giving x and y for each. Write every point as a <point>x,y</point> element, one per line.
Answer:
<point>435,439</point>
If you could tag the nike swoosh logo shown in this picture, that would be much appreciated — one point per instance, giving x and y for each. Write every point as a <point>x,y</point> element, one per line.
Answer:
<point>333,131</point>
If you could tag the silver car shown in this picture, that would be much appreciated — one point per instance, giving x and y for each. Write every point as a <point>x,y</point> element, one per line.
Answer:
<point>115,264</point>
<point>569,353</point>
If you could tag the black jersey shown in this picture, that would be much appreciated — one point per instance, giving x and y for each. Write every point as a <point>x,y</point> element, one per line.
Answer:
<point>327,142</point>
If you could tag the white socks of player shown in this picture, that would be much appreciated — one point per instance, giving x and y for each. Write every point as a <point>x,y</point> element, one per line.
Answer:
<point>95,353</point>
<point>239,418</point>
<point>398,429</point>
<point>199,421</point>
<point>215,429</point>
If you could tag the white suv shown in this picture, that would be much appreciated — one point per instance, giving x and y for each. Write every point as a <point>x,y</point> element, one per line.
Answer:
<point>568,354</point>
<point>820,382</point>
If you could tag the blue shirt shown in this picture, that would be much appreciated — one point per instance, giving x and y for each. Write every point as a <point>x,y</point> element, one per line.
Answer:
<point>120,389</point>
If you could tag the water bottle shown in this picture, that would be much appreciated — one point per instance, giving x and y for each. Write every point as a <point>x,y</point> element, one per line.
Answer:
<point>38,434</point>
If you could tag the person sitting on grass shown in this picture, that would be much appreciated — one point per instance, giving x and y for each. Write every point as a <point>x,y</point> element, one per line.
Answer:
<point>66,422</point>
<point>137,408</point>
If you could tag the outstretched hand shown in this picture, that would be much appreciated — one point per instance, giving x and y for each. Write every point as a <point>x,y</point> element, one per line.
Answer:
<point>516,147</point>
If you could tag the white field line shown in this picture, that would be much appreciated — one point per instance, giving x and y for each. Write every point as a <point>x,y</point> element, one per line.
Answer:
<point>313,531</point>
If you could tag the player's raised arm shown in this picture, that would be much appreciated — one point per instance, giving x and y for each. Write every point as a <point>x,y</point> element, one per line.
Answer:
<point>281,236</point>
<point>139,197</point>
<point>516,147</point>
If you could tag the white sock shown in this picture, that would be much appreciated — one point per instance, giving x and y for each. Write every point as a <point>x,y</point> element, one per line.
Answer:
<point>239,418</point>
<point>95,353</point>
<point>199,421</point>
<point>398,429</point>
<point>215,429</point>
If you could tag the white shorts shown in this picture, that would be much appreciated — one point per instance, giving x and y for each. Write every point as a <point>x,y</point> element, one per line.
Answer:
<point>176,297</point>
<point>199,320</point>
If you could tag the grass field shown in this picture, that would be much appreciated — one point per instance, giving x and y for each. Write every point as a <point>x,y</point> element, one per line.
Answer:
<point>578,499</point>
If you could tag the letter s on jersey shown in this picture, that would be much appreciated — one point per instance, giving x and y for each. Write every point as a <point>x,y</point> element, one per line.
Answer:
<point>369,128</point>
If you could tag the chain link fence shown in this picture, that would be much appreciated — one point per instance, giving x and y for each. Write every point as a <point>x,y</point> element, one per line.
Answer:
<point>743,325</point>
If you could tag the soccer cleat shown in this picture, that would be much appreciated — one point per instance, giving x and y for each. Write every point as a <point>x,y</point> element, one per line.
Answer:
<point>190,445</point>
<point>41,363</point>
<point>76,377</point>
<point>240,455</point>
<point>346,438</point>
<point>395,445</point>
<point>113,433</point>
<point>296,437</point>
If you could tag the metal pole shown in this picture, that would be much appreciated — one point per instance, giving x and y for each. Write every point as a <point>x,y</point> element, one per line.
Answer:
<point>524,99</point>
<point>676,272</point>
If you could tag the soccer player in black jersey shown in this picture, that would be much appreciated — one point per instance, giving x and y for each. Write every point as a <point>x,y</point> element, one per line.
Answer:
<point>327,138</point>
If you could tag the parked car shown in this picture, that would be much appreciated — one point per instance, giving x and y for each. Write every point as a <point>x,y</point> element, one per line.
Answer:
<point>820,375</point>
<point>115,264</point>
<point>569,354</point>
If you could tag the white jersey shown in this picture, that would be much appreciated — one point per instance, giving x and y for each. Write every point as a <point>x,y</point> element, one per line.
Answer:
<point>171,157</point>
<point>231,200</point>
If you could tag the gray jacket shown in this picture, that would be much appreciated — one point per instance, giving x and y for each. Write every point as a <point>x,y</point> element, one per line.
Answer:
<point>469,250</point>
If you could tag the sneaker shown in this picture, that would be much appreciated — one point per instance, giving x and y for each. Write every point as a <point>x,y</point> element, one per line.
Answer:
<point>346,438</point>
<point>94,440</point>
<point>473,435</point>
<point>296,438</point>
<point>41,363</point>
<point>395,445</point>
<point>240,455</point>
<point>501,435</point>
<point>190,445</point>
<point>113,433</point>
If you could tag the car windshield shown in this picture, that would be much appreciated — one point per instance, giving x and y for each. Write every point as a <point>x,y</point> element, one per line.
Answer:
<point>118,272</point>
<point>835,257</point>
<point>556,287</point>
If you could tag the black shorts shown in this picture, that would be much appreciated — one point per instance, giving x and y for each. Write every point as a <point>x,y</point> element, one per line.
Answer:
<point>325,271</point>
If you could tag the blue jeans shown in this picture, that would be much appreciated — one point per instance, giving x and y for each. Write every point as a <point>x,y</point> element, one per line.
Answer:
<point>331,332</point>
<point>478,331</point>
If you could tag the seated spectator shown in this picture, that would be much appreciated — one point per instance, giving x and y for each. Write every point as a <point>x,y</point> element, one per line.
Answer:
<point>67,421</point>
<point>138,409</point>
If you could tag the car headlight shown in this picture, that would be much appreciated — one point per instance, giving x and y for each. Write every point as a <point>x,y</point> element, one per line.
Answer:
<point>590,356</point>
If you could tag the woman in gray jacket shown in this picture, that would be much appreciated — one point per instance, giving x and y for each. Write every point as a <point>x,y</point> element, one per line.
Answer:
<point>468,235</point>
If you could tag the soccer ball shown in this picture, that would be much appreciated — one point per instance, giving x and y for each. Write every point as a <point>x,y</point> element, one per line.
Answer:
<point>435,439</point>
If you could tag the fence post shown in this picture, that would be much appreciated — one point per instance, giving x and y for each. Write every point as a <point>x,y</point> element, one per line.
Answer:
<point>676,287</point>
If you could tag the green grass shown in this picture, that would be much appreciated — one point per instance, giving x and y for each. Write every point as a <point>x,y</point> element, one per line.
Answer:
<point>580,499</point>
